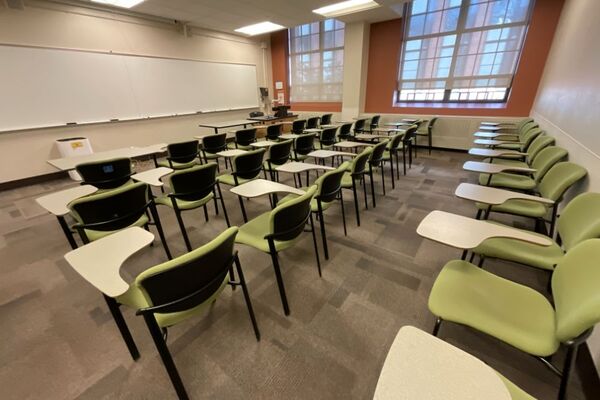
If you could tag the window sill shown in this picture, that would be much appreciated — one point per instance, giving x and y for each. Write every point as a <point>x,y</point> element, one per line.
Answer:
<point>487,106</point>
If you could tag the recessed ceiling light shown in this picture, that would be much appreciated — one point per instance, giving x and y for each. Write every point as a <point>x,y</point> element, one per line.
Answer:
<point>261,27</point>
<point>346,7</point>
<point>120,3</point>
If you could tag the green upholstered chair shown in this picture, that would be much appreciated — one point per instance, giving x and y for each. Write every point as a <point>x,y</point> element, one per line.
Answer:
<point>312,123</point>
<point>542,164</point>
<point>274,132</point>
<point>298,126</point>
<point>345,132</point>
<point>303,144</point>
<point>211,145</point>
<point>376,160</point>
<point>520,316</point>
<point>359,125</point>
<point>552,186</point>
<point>357,172</point>
<point>106,174</point>
<point>408,142</point>
<point>373,123</point>
<point>428,132</point>
<point>181,155</point>
<point>327,138</point>
<point>185,287</point>
<point>538,144</point>
<point>326,119</point>
<point>524,140</point>
<point>245,167</point>
<point>329,189</point>
<point>193,188</point>
<point>100,214</point>
<point>393,147</point>
<point>277,155</point>
<point>243,139</point>
<point>278,230</point>
<point>579,220</point>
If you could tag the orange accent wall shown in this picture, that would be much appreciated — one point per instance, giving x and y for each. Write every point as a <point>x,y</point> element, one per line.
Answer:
<point>384,57</point>
<point>279,60</point>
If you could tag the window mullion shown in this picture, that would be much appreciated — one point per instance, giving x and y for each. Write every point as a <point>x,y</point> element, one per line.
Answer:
<point>460,28</point>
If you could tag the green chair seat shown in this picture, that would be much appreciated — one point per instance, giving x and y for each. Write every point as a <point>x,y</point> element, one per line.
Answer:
<point>314,206</point>
<point>93,235</point>
<point>526,208</point>
<point>347,179</point>
<point>210,156</point>
<point>509,146</point>
<point>300,157</point>
<point>177,165</point>
<point>516,393</point>
<point>184,204</point>
<point>228,179</point>
<point>253,232</point>
<point>508,161</point>
<point>273,167</point>
<point>513,181</point>
<point>232,146</point>
<point>513,313</point>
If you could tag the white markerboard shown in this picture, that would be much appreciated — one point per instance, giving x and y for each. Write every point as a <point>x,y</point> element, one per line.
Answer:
<point>42,87</point>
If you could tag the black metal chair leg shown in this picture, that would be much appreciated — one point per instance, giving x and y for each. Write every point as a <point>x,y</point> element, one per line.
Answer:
<point>392,173</point>
<point>284,302</point>
<point>397,166</point>
<point>436,328</point>
<point>382,178</point>
<point>243,209</point>
<point>314,237</point>
<point>478,215</point>
<point>356,202</point>
<point>165,356</point>
<point>161,234</point>
<point>223,205</point>
<point>205,213</point>
<point>372,186</point>
<point>404,159</point>
<point>566,373</point>
<point>186,239</point>
<point>238,266</point>
<point>364,182</point>
<point>215,201</point>
<point>343,212</point>
<point>113,306</point>
<point>322,225</point>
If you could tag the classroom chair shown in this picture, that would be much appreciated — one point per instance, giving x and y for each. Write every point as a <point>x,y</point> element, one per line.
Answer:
<point>376,161</point>
<point>408,142</point>
<point>329,189</point>
<point>211,145</point>
<point>312,123</point>
<point>327,138</point>
<point>537,145</point>
<point>175,291</point>
<point>391,151</point>
<point>373,123</point>
<point>303,145</point>
<point>277,155</point>
<point>356,171</point>
<point>298,126</point>
<point>326,119</point>
<point>100,214</point>
<point>553,186</point>
<point>428,131</point>
<point>524,142</point>
<point>542,164</point>
<point>106,174</point>
<point>579,221</point>
<point>243,139</point>
<point>245,167</point>
<point>274,132</point>
<point>181,155</point>
<point>359,125</point>
<point>278,230</point>
<point>345,132</point>
<point>193,188</point>
<point>520,316</point>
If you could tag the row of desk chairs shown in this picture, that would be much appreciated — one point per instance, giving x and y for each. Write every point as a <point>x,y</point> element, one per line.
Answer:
<point>466,294</point>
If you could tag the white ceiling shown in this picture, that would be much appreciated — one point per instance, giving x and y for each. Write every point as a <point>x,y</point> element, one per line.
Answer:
<point>228,15</point>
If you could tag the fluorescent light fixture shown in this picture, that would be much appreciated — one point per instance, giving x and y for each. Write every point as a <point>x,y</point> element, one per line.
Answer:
<point>261,27</point>
<point>346,7</point>
<point>120,3</point>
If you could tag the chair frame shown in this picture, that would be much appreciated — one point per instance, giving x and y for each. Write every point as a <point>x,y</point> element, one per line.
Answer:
<point>338,195</point>
<point>171,158</point>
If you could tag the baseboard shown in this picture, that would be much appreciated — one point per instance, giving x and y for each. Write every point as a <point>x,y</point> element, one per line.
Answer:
<point>586,370</point>
<point>33,180</point>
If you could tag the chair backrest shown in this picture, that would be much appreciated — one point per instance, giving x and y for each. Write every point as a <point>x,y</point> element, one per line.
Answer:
<point>287,220</point>
<point>326,119</point>
<point>529,137</point>
<point>312,123</point>
<point>359,125</point>
<point>522,123</point>
<point>345,130</point>
<point>394,142</point>
<point>107,174</point>
<point>245,136</point>
<point>274,131</point>
<point>559,179</point>
<point>431,123</point>
<point>194,183</point>
<point>214,143</point>
<point>190,279</point>
<point>304,144</point>
<point>525,128</point>
<point>575,284</point>
<point>280,153</point>
<point>249,164</point>
<point>375,121</point>
<point>298,126</point>
<point>546,159</point>
<point>538,144</point>
<point>330,183</point>
<point>377,153</point>
<point>112,210</point>
<point>183,152</point>
<point>410,133</point>
<point>359,163</point>
<point>328,136</point>
<point>579,220</point>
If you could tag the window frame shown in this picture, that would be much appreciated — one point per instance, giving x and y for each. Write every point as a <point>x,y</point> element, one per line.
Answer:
<point>459,31</point>
<point>321,50</point>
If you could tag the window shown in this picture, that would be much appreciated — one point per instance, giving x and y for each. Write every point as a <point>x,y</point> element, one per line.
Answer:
<point>316,61</point>
<point>461,50</point>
